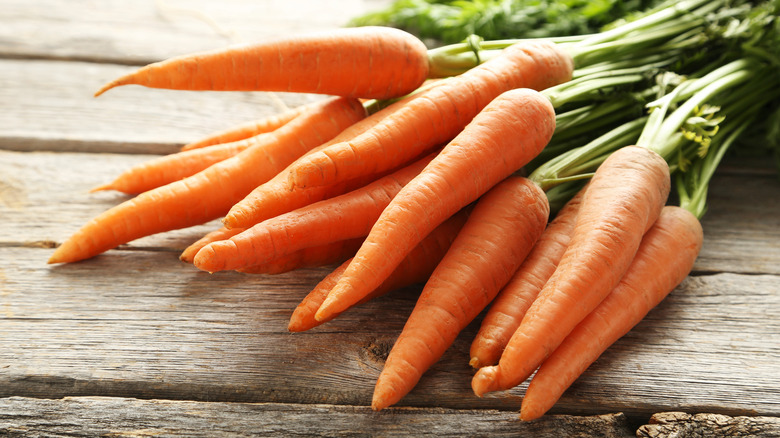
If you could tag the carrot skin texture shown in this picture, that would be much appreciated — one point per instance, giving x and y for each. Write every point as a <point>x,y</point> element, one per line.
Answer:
<point>499,233</point>
<point>507,134</point>
<point>362,62</point>
<point>342,217</point>
<point>507,310</point>
<point>188,255</point>
<point>310,257</point>
<point>624,198</point>
<point>437,116</point>
<point>415,268</point>
<point>665,257</point>
<point>208,194</point>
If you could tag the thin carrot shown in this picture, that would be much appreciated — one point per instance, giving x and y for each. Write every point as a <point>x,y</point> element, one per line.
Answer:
<point>507,310</point>
<point>367,62</point>
<point>309,257</point>
<point>415,268</point>
<point>222,233</point>
<point>207,195</point>
<point>499,233</point>
<point>623,199</point>
<point>507,134</point>
<point>342,217</point>
<point>248,129</point>
<point>437,116</point>
<point>664,259</point>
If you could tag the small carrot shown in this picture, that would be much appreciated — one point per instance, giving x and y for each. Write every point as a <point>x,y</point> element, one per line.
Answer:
<point>623,199</point>
<point>310,257</point>
<point>361,62</point>
<point>222,233</point>
<point>248,129</point>
<point>665,257</point>
<point>501,139</point>
<point>207,195</point>
<point>415,268</point>
<point>342,217</point>
<point>507,310</point>
<point>499,233</point>
<point>437,116</point>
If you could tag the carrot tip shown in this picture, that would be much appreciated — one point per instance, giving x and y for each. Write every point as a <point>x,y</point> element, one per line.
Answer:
<point>101,188</point>
<point>474,363</point>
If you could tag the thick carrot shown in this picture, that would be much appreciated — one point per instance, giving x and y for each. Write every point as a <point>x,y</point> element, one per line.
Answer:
<point>207,195</point>
<point>342,217</point>
<point>248,129</point>
<point>437,116</point>
<point>415,268</point>
<point>310,257</point>
<point>507,310</point>
<point>367,62</point>
<point>664,259</point>
<point>623,199</point>
<point>499,233</point>
<point>507,134</point>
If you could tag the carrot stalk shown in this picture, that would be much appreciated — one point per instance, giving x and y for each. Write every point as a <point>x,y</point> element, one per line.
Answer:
<point>507,310</point>
<point>663,260</point>
<point>363,62</point>
<point>207,195</point>
<point>342,217</point>
<point>508,133</point>
<point>623,199</point>
<point>499,233</point>
<point>437,116</point>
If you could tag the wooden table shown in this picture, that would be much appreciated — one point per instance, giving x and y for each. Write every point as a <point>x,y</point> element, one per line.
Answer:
<point>134,342</point>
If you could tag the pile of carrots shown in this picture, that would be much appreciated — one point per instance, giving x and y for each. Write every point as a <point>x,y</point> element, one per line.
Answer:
<point>425,188</point>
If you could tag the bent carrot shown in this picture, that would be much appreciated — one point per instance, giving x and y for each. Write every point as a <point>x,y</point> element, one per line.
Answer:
<point>499,233</point>
<point>623,199</point>
<point>665,257</point>
<point>501,139</point>
<point>361,62</point>
<point>437,116</point>
<point>310,257</point>
<point>415,268</point>
<point>507,310</point>
<point>248,129</point>
<point>342,217</point>
<point>208,194</point>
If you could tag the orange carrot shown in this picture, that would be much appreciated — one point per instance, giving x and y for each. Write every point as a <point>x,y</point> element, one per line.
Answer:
<point>437,116</point>
<point>207,195</point>
<point>246,130</point>
<point>415,268</point>
<point>507,134</point>
<point>665,257</point>
<point>507,310</point>
<point>342,217</point>
<point>310,257</point>
<point>368,62</point>
<point>499,233</point>
<point>623,199</point>
<point>188,255</point>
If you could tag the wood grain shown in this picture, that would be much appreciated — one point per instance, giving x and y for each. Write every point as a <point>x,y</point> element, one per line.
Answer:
<point>682,425</point>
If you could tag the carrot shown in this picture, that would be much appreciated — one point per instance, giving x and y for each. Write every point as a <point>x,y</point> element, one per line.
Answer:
<point>415,268</point>
<point>665,257</point>
<point>310,257</point>
<point>248,129</point>
<point>437,116</point>
<point>188,255</point>
<point>507,310</point>
<point>499,233</point>
<point>507,134</point>
<point>342,217</point>
<point>208,194</point>
<point>367,62</point>
<point>623,199</point>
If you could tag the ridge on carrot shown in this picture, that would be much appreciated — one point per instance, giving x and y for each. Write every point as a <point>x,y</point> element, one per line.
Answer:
<point>366,62</point>
<point>498,234</point>
<point>501,139</point>
<point>623,199</point>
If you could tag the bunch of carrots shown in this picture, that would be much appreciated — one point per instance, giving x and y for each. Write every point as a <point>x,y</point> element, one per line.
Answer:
<point>510,176</point>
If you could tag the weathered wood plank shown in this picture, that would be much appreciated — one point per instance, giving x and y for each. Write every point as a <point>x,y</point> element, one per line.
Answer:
<point>682,425</point>
<point>144,31</point>
<point>96,416</point>
<point>139,324</point>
